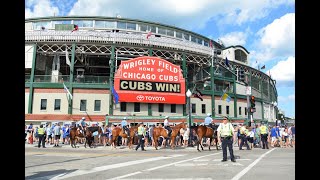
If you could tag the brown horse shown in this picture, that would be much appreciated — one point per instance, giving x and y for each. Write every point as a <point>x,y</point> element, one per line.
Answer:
<point>157,132</point>
<point>74,135</point>
<point>117,131</point>
<point>201,132</point>
<point>175,132</point>
<point>89,134</point>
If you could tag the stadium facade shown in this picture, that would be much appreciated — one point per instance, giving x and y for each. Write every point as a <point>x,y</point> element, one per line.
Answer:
<point>147,66</point>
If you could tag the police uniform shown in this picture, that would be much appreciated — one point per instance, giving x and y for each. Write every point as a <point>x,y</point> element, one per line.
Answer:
<point>141,136</point>
<point>208,121</point>
<point>226,135</point>
<point>264,136</point>
<point>124,126</point>
<point>243,134</point>
<point>42,136</point>
<point>166,126</point>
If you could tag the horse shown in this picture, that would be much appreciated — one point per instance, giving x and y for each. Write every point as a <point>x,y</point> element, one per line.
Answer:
<point>175,132</point>
<point>204,131</point>
<point>157,132</point>
<point>117,131</point>
<point>74,135</point>
<point>89,134</point>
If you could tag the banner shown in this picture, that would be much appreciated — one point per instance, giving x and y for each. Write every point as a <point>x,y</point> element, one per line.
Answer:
<point>150,80</point>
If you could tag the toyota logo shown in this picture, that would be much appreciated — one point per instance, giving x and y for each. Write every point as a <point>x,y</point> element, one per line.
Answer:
<point>140,98</point>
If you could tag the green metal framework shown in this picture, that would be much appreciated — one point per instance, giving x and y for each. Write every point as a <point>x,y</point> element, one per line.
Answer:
<point>197,66</point>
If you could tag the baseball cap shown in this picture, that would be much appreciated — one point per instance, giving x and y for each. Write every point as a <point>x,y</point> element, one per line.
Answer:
<point>225,117</point>
<point>166,117</point>
<point>83,118</point>
<point>124,118</point>
<point>208,114</point>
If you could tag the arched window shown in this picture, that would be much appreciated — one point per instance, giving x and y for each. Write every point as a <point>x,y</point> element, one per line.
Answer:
<point>240,56</point>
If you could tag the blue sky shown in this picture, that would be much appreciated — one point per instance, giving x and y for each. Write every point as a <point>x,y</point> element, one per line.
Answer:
<point>266,28</point>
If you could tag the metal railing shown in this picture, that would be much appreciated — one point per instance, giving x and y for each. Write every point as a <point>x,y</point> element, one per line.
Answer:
<point>51,78</point>
<point>27,78</point>
<point>91,79</point>
<point>107,37</point>
<point>65,78</point>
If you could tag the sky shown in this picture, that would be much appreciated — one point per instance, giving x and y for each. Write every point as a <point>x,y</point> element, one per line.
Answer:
<point>266,28</point>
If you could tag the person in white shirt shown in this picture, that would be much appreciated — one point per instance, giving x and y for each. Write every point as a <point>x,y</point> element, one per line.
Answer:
<point>166,125</point>
<point>225,135</point>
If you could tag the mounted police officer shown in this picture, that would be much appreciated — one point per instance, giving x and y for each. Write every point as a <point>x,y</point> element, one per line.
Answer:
<point>264,136</point>
<point>124,126</point>
<point>82,124</point>
<point>208,121</point>
<point>225,135</point>
<point>166,125</point>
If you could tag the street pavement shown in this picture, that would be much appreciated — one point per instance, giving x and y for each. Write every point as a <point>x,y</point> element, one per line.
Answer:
<point>182,163</point>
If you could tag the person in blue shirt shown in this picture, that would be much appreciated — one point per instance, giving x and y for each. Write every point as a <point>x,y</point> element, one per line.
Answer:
<point>82,124</point>
<point>274,135</point>
<point>124,126</point>
<point>208,121</point>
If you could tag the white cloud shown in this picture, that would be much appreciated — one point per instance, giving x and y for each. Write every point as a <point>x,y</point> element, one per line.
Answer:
<point>286,99</point>
<point>234,38</point>
<point>239,12</point>
<point>284,71</point>
<point>276,39</point>
<point>189,14</point>
<point>292,97</point>
<point>40,8</point>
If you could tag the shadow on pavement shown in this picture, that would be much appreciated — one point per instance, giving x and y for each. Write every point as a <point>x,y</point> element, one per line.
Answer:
<point>42,175</point>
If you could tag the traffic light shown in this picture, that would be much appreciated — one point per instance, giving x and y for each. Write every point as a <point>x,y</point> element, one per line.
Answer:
<point>252,104</point>
<point>252,101</point>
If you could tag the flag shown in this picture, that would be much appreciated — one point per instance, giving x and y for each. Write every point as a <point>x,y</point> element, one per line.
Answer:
<point>211,44</point>
<point>149,34</point>
<point>75,28</point>
<point>263,67</point>
<point>115,95</point>
<point>67,91</point>
<point>198,95</point>
<point>226,97</point>
<point>67,56</point>
<point>227,62</point>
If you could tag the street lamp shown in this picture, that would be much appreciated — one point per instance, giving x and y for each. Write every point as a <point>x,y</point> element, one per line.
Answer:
<point>189,93</point>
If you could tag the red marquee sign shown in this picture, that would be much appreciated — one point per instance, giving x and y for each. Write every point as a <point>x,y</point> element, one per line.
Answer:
<point>150,80</point>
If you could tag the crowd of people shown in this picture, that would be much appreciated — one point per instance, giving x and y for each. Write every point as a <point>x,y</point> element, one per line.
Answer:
<point>259,136</point>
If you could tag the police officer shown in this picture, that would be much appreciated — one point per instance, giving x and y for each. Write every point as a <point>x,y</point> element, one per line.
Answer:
<point>208,121</point>
<point>264,136</point>
<point>124,126</point>
<point>243,135</point>
<point>225,135</point>
<point>141,136</point>
<point>42,136</point>
<point>166,125</point>
<point>82,124</point>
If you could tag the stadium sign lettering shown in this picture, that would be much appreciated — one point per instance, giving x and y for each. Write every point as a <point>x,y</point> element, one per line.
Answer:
<point>150,80</point>
<point>149,86</point>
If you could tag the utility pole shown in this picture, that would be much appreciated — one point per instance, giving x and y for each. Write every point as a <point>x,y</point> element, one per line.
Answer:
<point>248,92</point>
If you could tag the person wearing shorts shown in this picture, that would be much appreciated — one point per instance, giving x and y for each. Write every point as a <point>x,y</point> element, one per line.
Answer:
<point>57,134</point>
